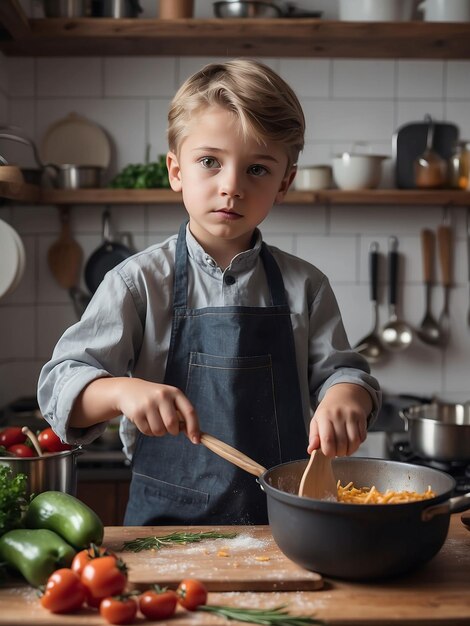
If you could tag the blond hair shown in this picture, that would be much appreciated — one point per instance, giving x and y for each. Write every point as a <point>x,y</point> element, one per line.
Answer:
<point>262,101</point>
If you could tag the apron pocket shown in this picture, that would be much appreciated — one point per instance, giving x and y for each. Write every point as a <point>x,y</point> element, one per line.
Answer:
<point>151,499</point>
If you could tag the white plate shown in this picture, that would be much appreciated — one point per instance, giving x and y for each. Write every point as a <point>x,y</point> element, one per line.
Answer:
<point>10,258</point>
<point>74,140</point>
<point>21,264</point>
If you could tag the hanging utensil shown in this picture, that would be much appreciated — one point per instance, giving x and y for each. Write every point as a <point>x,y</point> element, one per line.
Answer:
<point>444,238</point>
<point>396,334</point>
<point>65,261</point>
<point>429,330</point>
<point>371,346</point>
<point>468,263</point>
<point>430,170</point>
<point>318,480</point>
<point>104,258</point>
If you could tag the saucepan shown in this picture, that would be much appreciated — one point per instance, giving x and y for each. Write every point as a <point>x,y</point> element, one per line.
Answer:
<point>439,430</point>
<point>355,541</point>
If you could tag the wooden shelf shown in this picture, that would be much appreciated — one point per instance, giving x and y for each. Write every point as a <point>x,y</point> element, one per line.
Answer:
<point>20,192</point>
<point>331,196</point>
<point>285,37</point>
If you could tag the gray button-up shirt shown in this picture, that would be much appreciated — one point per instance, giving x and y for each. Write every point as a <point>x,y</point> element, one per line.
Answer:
<point>126,329</point>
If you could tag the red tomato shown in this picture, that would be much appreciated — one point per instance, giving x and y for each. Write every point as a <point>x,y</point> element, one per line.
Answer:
<point>103,577</point>
<point>20,449</point>
<point>50,442</point>
<point>158,604</point>
<point>64,592</point>
<point>85,556</point>
<point>11,435</point>
<point>118,610</point>
<point>191,593</point>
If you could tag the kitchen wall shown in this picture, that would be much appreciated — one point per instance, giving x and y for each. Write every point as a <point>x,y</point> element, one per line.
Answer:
<point>344,101</point>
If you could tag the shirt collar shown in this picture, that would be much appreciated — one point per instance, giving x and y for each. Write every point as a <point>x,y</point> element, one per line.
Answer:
<point>241,262</point>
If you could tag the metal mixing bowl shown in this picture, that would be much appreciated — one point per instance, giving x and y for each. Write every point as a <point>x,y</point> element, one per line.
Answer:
<point>246,9</point>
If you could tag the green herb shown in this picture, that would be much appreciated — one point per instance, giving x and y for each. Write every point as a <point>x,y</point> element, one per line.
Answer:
<point>155,543</point>
<point>143,176</point>
<point>13,500</point>
<point>278,615</point>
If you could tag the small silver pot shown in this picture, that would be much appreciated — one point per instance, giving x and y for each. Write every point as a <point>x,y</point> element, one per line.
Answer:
<point>51,472</point>
<point>439,431</point>
<point>67,8</point>
<point>75,176</point>
<point>116,8</point>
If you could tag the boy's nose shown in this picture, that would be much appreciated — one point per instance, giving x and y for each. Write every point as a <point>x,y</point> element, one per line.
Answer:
<point>231,185</point>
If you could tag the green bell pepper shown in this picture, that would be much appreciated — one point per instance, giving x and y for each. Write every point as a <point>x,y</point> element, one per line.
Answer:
<point>67,516</point>
<point>35,553</point>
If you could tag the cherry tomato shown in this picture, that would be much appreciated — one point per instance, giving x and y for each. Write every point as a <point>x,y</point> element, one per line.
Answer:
<point>64,592</point>
<point>158,603</point>
<point>118,610</point>
<point>103,577</point>
<point>20,449</point>
<point>11,435</point>
<point>50,442</point>
<point>191,593</point>
<point>85,556</point>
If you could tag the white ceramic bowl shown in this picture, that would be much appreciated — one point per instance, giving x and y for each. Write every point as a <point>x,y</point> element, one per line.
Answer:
<point>313,177</point>
<point>357,171</point>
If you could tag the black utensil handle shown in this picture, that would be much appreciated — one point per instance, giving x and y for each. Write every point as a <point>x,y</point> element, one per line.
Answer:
<point>374,270</point>
<point>393,270</point>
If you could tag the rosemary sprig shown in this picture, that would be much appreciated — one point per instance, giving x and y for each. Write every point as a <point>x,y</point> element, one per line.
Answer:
<point>155,543</point>
<point>276,616</point>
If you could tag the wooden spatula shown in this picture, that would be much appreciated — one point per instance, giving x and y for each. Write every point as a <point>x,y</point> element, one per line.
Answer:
<point>65,255</point>
<point>318,480</point>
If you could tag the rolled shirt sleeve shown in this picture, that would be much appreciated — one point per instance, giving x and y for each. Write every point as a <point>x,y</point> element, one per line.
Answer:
<point>331,359</point>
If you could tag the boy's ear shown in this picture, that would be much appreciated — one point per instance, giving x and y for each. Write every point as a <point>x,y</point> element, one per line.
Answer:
<point>285,184</point>
<point>174,172</point>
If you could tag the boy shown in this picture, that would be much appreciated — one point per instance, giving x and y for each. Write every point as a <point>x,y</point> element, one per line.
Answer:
<point>212,330</point>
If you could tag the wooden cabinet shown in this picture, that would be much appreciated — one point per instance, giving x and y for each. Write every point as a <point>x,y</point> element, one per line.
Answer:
<point>107,498</point>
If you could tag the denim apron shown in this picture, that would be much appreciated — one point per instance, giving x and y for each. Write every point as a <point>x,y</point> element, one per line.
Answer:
<point>237,366</point>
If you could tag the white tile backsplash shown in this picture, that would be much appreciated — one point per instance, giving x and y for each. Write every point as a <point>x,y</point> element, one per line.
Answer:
<point>345,101</point>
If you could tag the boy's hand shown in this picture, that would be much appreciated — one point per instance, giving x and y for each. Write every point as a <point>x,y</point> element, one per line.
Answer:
<point>157,409</point>
<point>339,424</point>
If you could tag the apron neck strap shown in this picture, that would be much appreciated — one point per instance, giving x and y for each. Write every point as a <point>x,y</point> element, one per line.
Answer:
<point>273,273</point>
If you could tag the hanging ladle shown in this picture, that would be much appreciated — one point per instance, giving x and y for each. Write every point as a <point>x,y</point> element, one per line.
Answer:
<point>429,330</point>
<point>371,346</point>
<point>396,334</point>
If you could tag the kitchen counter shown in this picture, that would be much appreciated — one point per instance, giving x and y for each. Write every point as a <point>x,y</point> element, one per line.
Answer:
<point>437,594</point>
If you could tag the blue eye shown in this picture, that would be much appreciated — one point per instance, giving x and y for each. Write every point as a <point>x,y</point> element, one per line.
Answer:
<point>258,170</point>
<point>209,162</point>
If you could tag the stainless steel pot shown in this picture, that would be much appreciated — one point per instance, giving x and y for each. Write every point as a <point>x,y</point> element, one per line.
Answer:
<point>361,541</point>
<point>116,8</point>
<point>67,8</point>
<point>51,472</point>
<point>75,176</point>
<point>439,430</point>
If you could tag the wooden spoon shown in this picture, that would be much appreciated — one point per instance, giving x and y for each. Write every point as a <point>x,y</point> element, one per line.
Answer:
<point>65,255</point>
<point>318,480</point>
<point>232,455</point>
<point>34,440</point>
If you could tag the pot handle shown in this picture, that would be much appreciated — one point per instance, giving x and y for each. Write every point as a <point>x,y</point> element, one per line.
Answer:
<point>404,417</point>
<point>454,505</point>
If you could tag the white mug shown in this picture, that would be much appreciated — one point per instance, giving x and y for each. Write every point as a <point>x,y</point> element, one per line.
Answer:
<point>313,177</point>
<point>445,10</point>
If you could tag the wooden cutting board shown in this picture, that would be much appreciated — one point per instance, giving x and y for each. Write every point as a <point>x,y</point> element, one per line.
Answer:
<point>250,561</point>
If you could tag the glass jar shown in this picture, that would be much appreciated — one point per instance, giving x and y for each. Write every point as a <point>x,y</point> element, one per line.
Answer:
<point>459,166</point>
